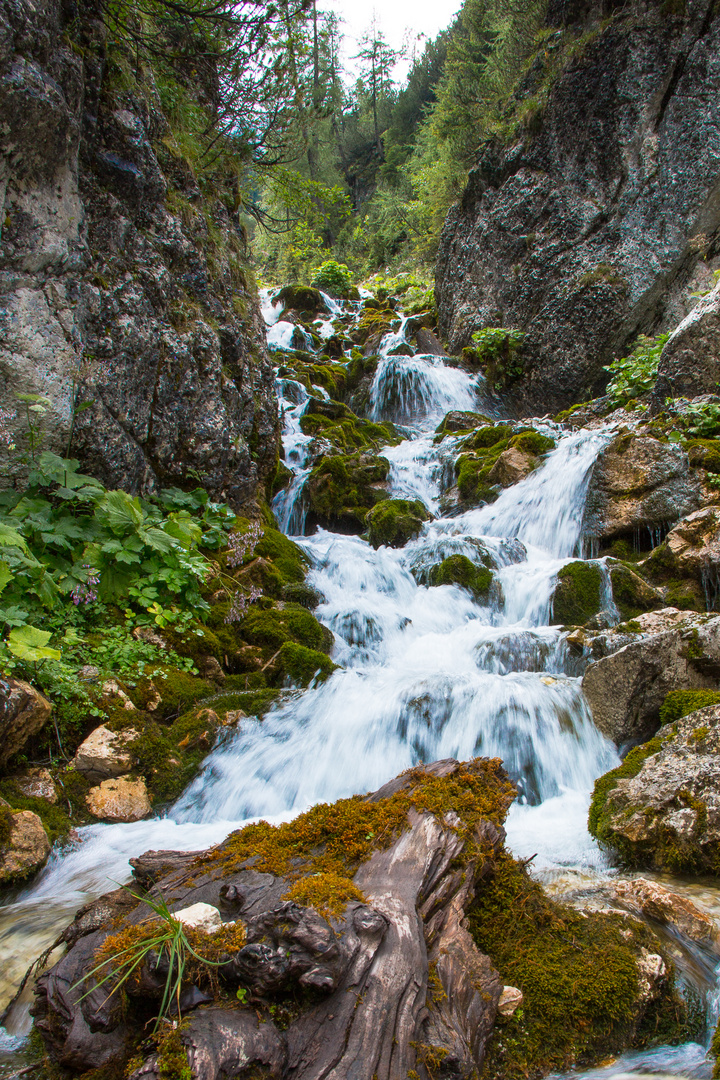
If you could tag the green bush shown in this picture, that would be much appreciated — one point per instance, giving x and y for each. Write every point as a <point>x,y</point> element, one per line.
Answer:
<point>333,277</point>
<point>635,375</point>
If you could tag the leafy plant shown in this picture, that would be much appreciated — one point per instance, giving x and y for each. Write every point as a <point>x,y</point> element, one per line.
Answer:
<point>635,375</point>
<point>499,352</point>
<point>701,419</point>
<point>334,277</point>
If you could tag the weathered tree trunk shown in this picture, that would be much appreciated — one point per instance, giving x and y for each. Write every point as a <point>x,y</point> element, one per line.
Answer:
<point>395,985</point>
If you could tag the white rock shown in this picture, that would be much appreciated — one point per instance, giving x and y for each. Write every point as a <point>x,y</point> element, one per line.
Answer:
<point>104,753</point>
<point>510,1000</point>
<point>202,917</point>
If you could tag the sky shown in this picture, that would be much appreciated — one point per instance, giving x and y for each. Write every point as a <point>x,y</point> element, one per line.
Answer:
<point>398,19</point>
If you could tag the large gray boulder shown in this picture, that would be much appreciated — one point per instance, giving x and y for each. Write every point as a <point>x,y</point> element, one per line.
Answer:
<point>638,482</point>
<point>581,229</point>
<point>690,361</point>
<point>626,689</point>
<point>667,817</point>
<point>110,294</point>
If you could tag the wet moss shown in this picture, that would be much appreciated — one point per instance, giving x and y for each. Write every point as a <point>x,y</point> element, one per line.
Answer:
<point>459,570</point>
<point>679,703</point>
<point>395,521</point>
<point>179,690</point>
<point>599,816</point>
<point>301,665</point>
<point>577,594</point>
<point>704,453</point>
<point>336,838</point>
<point>271,629</point>
<point>288,560</point>
<point>329,893</point>
<point>487,437</point>
<point>532,442</point>
<point>236,696</point>
<point>342,488</point>
<point>577,972</point>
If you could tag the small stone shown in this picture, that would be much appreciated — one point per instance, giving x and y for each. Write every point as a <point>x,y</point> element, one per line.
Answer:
<point>104,753</point>
<point>202,917</point>
<point>210,669</point>
<point>119,800</point>
<point>147,634</point>
<point>89,673</point>
<point>510,1000</point>
<point>154,700</point>
<point>232,717</point>
<point>27,849</point>
<point>37,784</point>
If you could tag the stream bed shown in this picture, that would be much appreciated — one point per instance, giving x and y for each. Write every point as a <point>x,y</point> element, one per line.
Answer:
<point>427,673</point>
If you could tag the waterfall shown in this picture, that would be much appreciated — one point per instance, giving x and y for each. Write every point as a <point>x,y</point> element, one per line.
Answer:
<point>426,671</point>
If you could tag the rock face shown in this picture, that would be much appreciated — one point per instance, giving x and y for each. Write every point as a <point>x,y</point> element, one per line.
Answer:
<point>26,848</point>
<point>115,291</point>
<point>625,690</point>
<point>638,482</point>
<point>23,712</point>
<point>694,544</point>
<point>119,800</point>
<point>576,229</point>
<point>690,360</point>
<point>668,815</point>
<point>512,465</point>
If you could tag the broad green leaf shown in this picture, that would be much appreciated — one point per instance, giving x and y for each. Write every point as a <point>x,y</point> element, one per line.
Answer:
<point>10,538</point>
<point>30,643</point>
<point>14,615</point>
<point>120,510</point>
<point>182,526</point>
<point>6,574</point>
<point>158,540</point>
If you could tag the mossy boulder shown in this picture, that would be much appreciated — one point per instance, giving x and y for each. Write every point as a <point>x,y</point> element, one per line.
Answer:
<point>493,456</point>
<point>299,665</point>
<point>395,521</point>
<point>579,973</point>
<point>661,808</point>
<point>577,593</point>
<point>533,442</point>
<point>273,627</point>
<point>342,488</point>
<point>458,422</point>
<point>632,594</point>
<point>459,570</point>
<point>346,432</point>
<point>169,757</point>
<point>300,298</point>
<point>179,690</point>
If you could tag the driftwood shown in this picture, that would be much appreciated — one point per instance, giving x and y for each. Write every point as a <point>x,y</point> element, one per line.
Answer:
<point>395,986</point>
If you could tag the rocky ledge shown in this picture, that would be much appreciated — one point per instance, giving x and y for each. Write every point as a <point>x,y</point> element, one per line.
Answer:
<point>369,938</point>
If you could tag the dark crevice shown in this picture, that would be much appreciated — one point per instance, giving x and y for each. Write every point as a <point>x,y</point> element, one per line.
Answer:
<point>679,66</point>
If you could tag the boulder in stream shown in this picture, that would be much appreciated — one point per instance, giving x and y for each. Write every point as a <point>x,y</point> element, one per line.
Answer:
<point>661,808</point>
<point>24,844</point>
<point>23,712</point>
<point>382,936</point>
<point>626,689</point>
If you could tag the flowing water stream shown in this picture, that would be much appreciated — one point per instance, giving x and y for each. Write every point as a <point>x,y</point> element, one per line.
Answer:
<point>426,673</point>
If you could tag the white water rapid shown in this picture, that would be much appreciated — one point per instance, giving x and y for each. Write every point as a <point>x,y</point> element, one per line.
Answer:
<point>426,671</point>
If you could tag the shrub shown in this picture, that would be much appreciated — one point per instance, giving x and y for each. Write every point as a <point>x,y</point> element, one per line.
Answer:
<point>333,278</point>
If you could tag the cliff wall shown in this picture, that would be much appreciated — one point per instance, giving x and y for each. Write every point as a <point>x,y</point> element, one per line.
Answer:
<point>125,294</point>
<point>582,224</point>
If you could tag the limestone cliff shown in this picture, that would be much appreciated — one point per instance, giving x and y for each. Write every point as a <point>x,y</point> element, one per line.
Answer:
<point>582,223</point>
<point>123,269</point>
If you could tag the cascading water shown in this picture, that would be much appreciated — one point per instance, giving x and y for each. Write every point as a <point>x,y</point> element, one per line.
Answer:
<point>427,672</point>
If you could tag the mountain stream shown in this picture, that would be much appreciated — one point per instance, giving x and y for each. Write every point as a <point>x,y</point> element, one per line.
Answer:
<point>426,673</point>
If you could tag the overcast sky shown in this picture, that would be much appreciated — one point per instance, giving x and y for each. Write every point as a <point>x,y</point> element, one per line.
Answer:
<point>398,19</point>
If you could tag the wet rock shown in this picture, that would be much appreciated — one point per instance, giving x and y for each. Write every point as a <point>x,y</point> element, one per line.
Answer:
<point>625,690</point>
<point>24,844</point>
<point>114,694</point>
<point>652,974</point>
<point>690,361</point>
<point>457,420</point>
<point>581,227</point>
<point>512,466</point>
<point>576,597</point>
<point>37,784</point>
<point>23,712</point>
<point>655,901</point>
<point>428,343</point>
<point>105,753</point>
<point>667,816</point>
<point>638,482</point>
<point>633,596</point>
<point>119,800</point>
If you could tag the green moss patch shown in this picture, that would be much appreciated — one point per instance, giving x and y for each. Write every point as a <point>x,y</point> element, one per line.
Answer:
<point>301,665</point>
<point>679,703</point>
<point>577,972</point>
<point>532,442</point>
<point>271,629</point>
<point>577,593</point>
<point>169,758</point>
<point>179,690</point>
<point>459,570</point>
<point>395,521</point>
<point>342,488</point>
<point>348,432</point>
<point>631,594</point>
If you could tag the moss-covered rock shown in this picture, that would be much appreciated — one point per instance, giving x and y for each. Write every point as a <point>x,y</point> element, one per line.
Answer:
<point>577,593</point>
<point>179,690</point>
<point>300,298</point>
<point>342,488</point>
<point>533,442</point>
<point>347,433</point>
<point>633,595</point>
<point>273,627</point>
<point>459,570</point>
<point>578,972</point>
<point>395,521</point>
<point>300,664</point>
<point>169,758</point>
